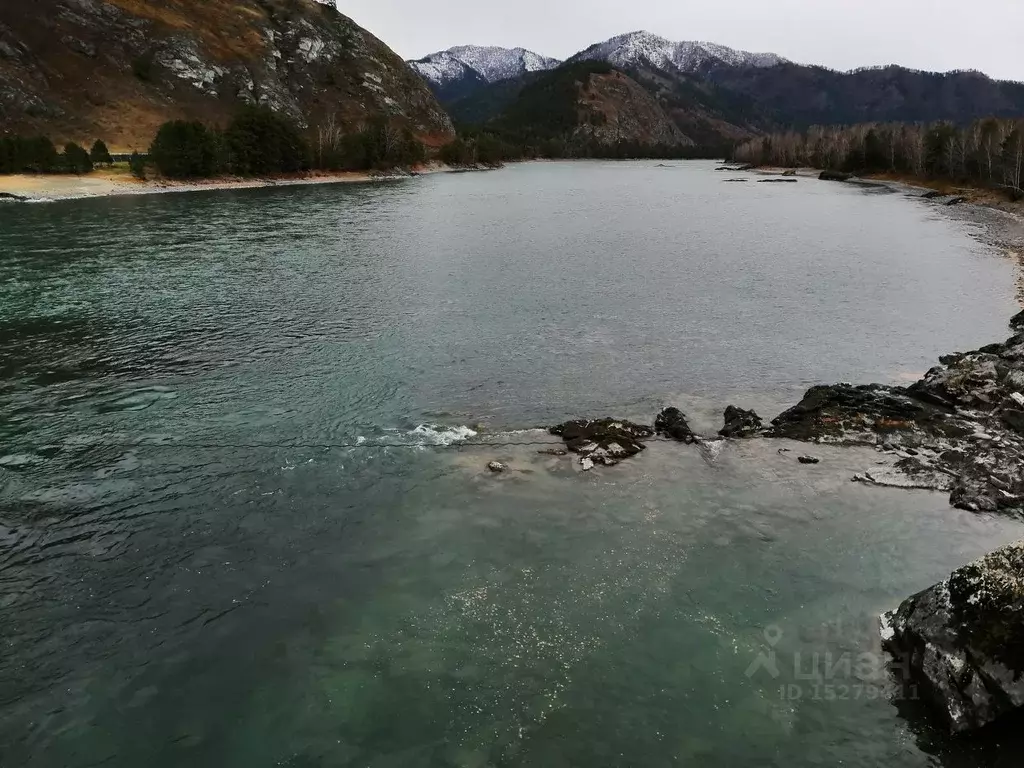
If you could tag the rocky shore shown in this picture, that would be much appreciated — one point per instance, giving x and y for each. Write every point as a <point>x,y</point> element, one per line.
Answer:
<point>960,428</point>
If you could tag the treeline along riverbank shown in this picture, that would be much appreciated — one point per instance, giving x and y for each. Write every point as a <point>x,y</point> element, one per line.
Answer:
<point>985,153</point>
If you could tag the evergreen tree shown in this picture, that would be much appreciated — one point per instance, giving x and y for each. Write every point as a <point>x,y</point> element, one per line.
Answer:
<point>100,155</point>
<point>76,159</point>
<point>260,141</point>
<point>137,165</point>
<point>186,150</point>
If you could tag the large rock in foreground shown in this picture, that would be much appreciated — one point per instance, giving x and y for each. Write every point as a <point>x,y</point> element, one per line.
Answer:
<point>961,642</point>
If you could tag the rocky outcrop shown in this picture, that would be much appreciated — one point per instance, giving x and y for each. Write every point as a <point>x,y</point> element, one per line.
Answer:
<point>961,642</point>
<point>613,109</point>
<point>672,424</point>
<point>603,441</point>
<point>960,428</point>
<point>740,423</point>
<point>117,69</point>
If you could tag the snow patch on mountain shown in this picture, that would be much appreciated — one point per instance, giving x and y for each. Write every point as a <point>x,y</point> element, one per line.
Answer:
<point>645,49</point>
<point>489,63</point>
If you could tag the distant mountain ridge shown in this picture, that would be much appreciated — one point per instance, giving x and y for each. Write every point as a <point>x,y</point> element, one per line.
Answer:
<point>717,95</point>
<point>458,71</point>
<point>643,49</point>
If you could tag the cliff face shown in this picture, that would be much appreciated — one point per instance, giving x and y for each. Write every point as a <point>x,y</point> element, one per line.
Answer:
<point>614,108</point>
<point>117,69</point>
<point>587,107</point>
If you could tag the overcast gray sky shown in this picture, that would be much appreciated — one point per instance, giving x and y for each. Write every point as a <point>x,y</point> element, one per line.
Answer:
<point>926,34</point>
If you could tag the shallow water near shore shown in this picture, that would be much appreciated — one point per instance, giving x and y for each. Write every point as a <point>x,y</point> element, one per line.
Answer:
<point>245,517</point>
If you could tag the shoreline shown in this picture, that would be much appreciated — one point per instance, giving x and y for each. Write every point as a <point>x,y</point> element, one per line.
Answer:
<point>29,188</point>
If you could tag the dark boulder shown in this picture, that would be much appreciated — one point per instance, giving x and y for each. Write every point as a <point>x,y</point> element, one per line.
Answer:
<point>961,642</point>
<point>835,176</point>
<point>603,441</point>
<point>777,181</point>
<point>809,460</point>
<point>1017,322</point>
<point>740,423</point>
<point>956,201</point>
<point>672,423</point>
<point>932,195</point>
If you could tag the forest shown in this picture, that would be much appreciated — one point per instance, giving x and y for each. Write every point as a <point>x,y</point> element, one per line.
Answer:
<point>38,154</point>
<point>987,152</point>
<point>259,141</point>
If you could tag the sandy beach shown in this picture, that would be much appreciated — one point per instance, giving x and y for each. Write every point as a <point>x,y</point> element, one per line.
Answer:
<point>118,181</point>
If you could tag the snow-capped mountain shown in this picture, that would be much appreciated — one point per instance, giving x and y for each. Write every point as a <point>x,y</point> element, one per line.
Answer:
<point>644,49</point>
<point>489,63</point>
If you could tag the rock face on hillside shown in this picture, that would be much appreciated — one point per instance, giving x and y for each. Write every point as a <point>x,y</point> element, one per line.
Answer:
<point>614,108</point>
<point>589,108</point>
<point>116,69</point>
<point>960,644</point>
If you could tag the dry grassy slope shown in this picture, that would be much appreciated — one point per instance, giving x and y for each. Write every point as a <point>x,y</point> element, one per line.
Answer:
<point>116,69</point>
<point>614,107</point>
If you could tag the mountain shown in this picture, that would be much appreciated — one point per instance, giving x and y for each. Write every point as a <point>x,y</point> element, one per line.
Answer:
<point>117,69</point>
<point>644,50</point>
<point>457,72</point>
<point>718,96</point>
<point>794,96</point>
<point>589,109</point>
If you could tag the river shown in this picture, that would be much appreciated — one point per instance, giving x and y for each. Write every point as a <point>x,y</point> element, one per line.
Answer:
<point>245,515</point>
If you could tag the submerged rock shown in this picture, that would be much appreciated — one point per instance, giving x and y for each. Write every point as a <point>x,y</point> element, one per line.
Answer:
<point>809,460</point>
<point>835,176</point>
<point>961,642</point>
<point>740,423</point>
<point>932,195</point>
<point>956,201</point>
<point>672,423</point>
<point>777,181</point>
<point>603,441</point>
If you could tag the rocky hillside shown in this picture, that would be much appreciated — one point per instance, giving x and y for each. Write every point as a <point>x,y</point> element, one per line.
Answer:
<point>614,108</point>
<point>117,69</point>
<point>589,107</point>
